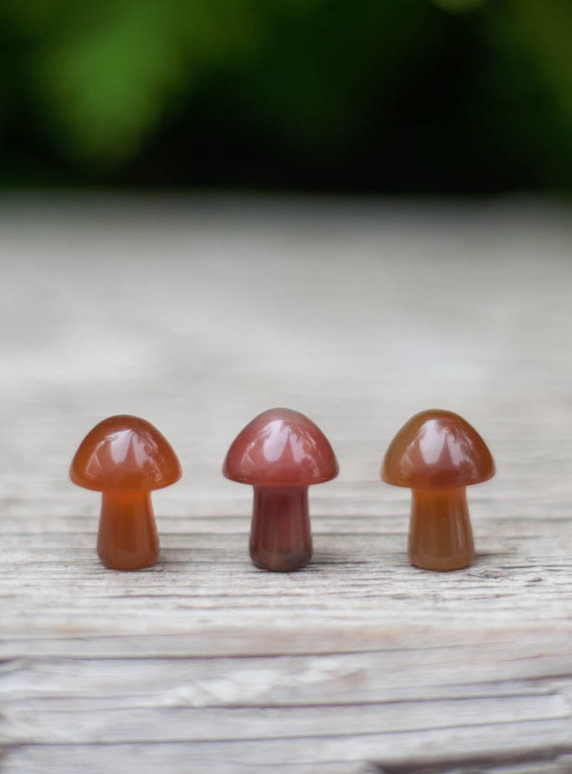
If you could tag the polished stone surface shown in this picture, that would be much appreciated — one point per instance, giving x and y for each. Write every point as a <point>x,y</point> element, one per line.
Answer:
<point>281,447</point>
<point>127,538</point>
<point>440,534</point>
<point>437,454</point>
<point>280,537</point>
<point>125,457</point>
<point>437,449</point>
<point>125,453</point>
<point>281,452</point>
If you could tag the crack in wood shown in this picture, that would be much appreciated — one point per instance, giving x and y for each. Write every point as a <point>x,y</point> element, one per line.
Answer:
<point>478,764</point>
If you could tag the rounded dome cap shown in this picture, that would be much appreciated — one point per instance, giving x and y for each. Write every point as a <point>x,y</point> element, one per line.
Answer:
<point>125,453</point>
<point>437,449</point>
<point>281,447</point>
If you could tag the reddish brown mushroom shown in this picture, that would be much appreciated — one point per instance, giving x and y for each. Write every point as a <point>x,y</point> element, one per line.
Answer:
<point>280,453</point>
<point>125,458</point>
<point>437,454</point>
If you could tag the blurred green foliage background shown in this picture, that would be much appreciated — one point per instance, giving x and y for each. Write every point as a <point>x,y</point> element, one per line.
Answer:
<point>398,96</point>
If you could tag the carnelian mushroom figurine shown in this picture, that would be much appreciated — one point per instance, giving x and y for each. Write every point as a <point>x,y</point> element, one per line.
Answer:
<point>280,453</point>
<point>125,458</point>
<point>437,454</point>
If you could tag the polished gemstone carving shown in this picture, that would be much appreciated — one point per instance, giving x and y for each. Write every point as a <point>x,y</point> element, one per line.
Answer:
<point>281,453</point>
<point>437,454</point>
<point>125,458</point>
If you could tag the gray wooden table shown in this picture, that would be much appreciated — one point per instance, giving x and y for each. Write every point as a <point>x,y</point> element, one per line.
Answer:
<point>197,314</point>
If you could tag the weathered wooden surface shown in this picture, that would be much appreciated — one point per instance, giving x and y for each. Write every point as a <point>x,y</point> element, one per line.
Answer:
<point>197,314</point>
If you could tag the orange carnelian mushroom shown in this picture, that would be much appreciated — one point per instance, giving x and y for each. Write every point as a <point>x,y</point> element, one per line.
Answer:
<point>437,454</point>
<point>281,453</point>
<point>125,458</point>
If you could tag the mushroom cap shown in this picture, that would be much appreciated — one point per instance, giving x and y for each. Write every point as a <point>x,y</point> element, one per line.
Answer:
<point>125,454</point>
<point>437,449</point>
<point>280,447</point>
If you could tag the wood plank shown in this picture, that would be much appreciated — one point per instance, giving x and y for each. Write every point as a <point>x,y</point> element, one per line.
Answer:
<point>198,314</point>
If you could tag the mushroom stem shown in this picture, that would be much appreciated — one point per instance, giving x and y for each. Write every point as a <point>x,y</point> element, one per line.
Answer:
<point>127,538</point>
<point>440,535</point>
<point>280,537</point>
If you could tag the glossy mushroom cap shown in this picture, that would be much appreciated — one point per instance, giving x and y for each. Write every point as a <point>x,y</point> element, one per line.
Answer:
<point>436,450</point>
<point>125,454</point>
<point>281,447</point>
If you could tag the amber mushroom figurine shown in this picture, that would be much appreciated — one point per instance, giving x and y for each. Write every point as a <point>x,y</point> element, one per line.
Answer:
<point>126,458</point>
<point>280,453</point>
<point>437,454</point>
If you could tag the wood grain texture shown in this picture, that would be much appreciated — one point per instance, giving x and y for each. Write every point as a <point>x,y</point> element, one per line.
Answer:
<point>199,313</point>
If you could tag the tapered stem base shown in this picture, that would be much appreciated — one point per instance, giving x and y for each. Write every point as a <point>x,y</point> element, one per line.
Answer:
<point>127,538</point>
<point>440,535</point>
<point>280,537</point>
